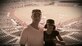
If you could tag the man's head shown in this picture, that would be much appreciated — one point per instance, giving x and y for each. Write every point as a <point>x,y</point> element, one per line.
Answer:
<point>36,15</point>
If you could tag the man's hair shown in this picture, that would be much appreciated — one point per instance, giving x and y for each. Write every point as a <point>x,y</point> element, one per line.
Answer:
<point>36,10</point>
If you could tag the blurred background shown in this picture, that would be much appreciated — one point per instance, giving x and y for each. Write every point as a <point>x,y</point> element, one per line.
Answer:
<point>15,15</point>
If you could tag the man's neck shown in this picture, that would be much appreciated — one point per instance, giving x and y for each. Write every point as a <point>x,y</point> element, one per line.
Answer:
<point>35,25</point>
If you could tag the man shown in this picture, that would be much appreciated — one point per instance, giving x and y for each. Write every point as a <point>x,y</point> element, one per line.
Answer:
<point>33,34</point>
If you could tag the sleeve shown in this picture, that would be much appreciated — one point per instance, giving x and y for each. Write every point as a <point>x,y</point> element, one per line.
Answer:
<point>57,33</point>
<point>23,38</point>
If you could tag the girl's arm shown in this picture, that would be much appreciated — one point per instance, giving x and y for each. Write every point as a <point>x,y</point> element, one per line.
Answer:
<point>60,40</point>
<point>59,37</point>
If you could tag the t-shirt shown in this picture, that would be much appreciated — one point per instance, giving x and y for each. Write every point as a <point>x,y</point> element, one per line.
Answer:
<point>48,38</point>
<point>32,37</point>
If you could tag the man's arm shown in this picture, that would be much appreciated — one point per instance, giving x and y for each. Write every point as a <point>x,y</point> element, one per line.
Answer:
<point>23,38</point>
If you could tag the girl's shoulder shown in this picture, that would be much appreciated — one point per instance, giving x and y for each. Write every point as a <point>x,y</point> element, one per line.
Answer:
<point>56,32</point>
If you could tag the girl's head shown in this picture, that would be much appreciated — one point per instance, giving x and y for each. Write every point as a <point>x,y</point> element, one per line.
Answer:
<point>50,24</point>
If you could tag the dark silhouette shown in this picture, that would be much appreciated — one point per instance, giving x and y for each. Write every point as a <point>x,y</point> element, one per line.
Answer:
<point>51,34</point>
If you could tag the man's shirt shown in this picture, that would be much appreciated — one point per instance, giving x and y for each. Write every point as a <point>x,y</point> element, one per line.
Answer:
<point>32,36</point>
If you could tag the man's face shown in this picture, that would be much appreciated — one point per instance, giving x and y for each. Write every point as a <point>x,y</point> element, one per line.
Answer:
<point>36,16</point>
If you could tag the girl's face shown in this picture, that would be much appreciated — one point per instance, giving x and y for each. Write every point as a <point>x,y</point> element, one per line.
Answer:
<point>50,26</point>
